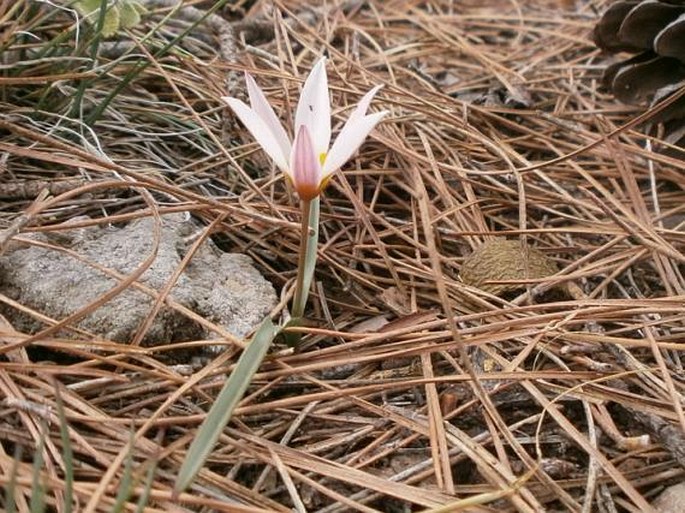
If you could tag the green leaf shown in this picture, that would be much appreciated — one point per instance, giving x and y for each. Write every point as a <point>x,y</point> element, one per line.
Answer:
<point>147,488</point>
<point>124,14</point>
<point>138,68</point>
<point>87,7</point>
<point>138,7</point>
<point>222,409</point>
<point>292,339</point>
<point>37,503</point>
<point>11,486</point>
<point>112,22</point>
<point>126,483</point>
<point>129,15</point>
<point>67,454</point>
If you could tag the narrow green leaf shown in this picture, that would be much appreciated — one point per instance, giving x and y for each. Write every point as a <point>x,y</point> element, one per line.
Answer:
<point>142,64</point>
<point>11,486</point>
<point>147,489</point>
<point>67,454</point>
<point>222,409</point>
<point>37,503</point>
<point>126,483</point>
<point>291,339</point>
<point>90,8</point>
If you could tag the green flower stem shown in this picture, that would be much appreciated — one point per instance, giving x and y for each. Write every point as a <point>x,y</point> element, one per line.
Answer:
<point>307,257</point>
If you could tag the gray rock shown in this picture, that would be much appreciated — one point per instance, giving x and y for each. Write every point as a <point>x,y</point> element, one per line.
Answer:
<point>223,288</point>
<point>671,500</point>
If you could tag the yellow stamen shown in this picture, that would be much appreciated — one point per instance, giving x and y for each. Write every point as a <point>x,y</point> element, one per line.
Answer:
<point>322,157</point>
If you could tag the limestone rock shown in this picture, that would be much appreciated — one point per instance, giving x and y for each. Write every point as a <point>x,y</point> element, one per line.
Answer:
<point>671,500</point>
<point>220,287</point>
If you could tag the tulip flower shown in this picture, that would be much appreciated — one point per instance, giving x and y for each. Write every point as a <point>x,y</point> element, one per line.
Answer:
<point>307,161</point>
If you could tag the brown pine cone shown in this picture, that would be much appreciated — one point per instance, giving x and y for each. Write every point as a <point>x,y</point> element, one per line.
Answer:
<point>655,31</point>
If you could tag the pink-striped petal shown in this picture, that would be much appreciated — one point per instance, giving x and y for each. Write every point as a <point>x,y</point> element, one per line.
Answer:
<point>314,108</point>
<point>305,169</point>
<point>260,131</point>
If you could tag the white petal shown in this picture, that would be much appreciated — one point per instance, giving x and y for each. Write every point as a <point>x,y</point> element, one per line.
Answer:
<point>364,103</point>
<point>261,106</point>
<point>349,140</point>
<point>314,108</point>
<point>259,130</point>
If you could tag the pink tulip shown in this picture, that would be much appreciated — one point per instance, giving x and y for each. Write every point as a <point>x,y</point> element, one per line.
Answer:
<point>308,162</point>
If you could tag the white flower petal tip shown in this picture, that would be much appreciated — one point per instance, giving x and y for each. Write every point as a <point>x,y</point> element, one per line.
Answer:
<point>307,161</point>
<point>349,140</point>
<point>314,108</point>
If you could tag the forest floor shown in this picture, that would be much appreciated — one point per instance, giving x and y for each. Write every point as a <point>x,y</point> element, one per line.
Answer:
<point>417,387</point>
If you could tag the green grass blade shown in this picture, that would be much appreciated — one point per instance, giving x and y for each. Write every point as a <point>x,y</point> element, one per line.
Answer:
<point>222,409</point>
<point>126,483</point>
<point>95,44</point>
<point>100,24</point>
<point>67,454</point>
<point>37,503</point>
<point>11,486</point>
<point>147,489</point>
<point>144,63</point>
<point>292,339</point>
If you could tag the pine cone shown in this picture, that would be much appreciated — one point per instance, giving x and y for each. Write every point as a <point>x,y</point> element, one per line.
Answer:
<point>655,30</point>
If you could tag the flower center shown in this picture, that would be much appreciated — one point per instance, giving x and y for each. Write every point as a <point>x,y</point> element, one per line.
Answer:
<point>322,157</point>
